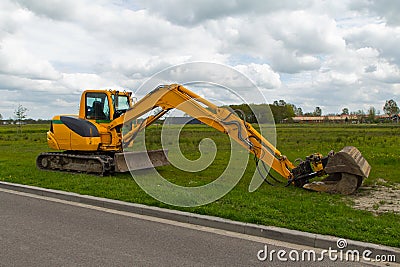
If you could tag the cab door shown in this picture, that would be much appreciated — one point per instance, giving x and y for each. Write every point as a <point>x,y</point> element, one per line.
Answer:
<point>97,107</point>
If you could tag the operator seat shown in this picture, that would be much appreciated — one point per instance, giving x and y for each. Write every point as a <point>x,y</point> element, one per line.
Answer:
<point>97,111</point>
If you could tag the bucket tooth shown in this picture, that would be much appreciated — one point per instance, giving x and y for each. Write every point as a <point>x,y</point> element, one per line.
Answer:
<point>346,171</point>
<point>337,183</point>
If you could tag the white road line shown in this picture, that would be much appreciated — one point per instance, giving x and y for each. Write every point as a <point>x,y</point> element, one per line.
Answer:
<point>160,220</point>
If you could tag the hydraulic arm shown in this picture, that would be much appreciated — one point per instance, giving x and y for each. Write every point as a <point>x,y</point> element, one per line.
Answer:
<point>346,169</point>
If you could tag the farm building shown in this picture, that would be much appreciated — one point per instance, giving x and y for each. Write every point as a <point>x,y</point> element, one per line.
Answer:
<point>320,119</point>
<point>342,118</point>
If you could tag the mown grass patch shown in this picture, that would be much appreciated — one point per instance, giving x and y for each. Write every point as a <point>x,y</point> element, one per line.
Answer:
<point>281,206</point>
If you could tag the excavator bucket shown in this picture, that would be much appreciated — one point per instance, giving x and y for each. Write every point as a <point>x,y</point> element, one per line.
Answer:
<point>346,171</point>
<point>139,160</point>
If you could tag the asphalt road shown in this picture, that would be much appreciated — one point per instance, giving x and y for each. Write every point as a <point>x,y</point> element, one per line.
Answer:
<point>36,231</point>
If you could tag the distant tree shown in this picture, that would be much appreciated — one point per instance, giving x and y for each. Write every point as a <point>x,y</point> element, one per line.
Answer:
<point>359,114</point>
<point>20,115</point>
<point>390,108</point>
<point>245,108</point>
<point>282,110</point>
<point>317,111</point>
<point>280,103</point>
<point>261,113</point>
<point>289,113</point>
<point>299,112</point>
<point>1,117</point>
<point>293,107</point>
<point>345,111</point>
<point>371,114</point>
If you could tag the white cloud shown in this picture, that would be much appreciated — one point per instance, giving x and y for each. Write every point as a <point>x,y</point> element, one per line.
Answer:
<point>261,74</point>
<point>311,53</point>
<point>387,73</point>
<point>387,10</point>
<point>379,36</point>
<point>306,32</point>
<point>186,12</point>
<point>15,60</point>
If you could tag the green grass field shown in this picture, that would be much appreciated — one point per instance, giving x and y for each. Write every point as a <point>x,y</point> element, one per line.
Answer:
<point>281,206</point>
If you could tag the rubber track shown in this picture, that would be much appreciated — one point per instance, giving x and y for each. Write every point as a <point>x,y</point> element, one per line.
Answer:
<point>79,163</point>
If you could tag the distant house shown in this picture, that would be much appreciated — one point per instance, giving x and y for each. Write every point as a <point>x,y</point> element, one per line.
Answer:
<point>320,119</point>
<point>343,119</point>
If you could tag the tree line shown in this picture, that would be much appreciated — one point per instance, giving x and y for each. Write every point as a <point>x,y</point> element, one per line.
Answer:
<point>282,111</point>
<point>20,117</point>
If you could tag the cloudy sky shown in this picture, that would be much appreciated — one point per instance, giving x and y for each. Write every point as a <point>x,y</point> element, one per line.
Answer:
<point>332,54</point>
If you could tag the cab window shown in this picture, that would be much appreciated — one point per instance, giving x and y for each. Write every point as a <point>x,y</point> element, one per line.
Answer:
<point>97,107</point>
<point>121,105</point>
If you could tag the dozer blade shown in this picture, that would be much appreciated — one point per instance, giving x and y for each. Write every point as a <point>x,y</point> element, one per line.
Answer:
<point>346,171</point>
<point>139,160</point>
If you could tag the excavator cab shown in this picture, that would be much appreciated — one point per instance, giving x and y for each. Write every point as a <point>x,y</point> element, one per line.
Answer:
<point>103,106</point>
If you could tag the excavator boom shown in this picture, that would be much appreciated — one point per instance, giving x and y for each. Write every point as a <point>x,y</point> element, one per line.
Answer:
<point>346,167</point>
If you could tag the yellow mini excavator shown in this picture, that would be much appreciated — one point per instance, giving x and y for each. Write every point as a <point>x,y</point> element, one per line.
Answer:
<point>93,142</point>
